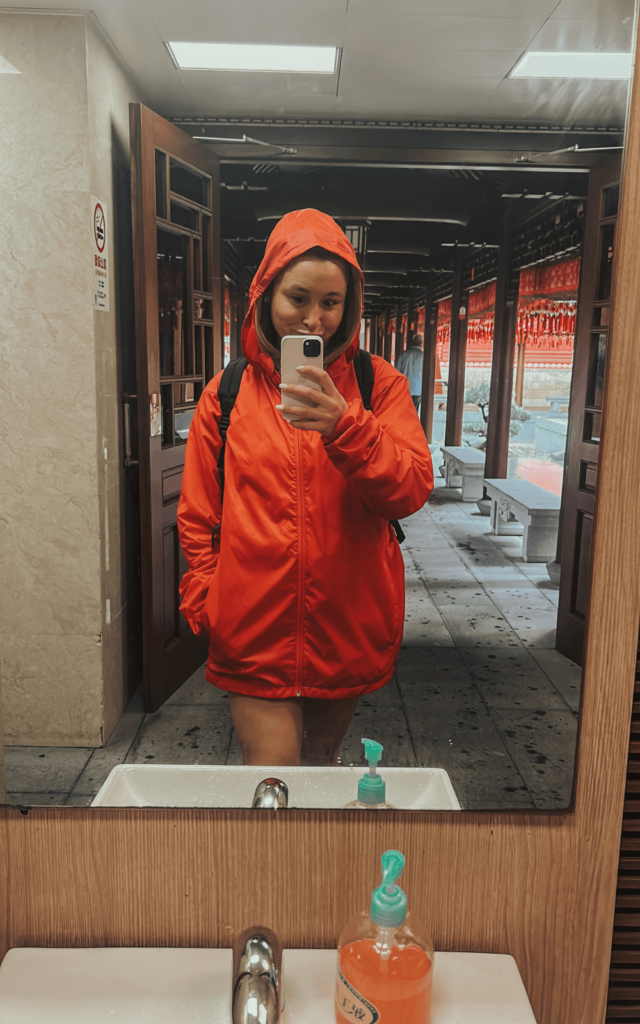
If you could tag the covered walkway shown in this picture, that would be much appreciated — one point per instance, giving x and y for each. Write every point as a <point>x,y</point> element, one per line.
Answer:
<point>479,689</point>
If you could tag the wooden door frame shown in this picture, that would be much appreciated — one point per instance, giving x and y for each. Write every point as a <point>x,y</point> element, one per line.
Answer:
<point>570,628</point>
<point>148,132</point>
<point>540,886</point>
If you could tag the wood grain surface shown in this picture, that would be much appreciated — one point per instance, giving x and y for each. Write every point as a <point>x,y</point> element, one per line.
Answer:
<point>538,886</point>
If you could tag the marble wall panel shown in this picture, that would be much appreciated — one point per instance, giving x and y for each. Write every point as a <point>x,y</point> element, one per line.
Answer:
<point>64,125</point>
<point>49,541</point>
<point>43,110</point>
<point>52,683</point>
<point>110,91</point>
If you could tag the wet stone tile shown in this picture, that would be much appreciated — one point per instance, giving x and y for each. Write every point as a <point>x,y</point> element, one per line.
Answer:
<point>542,744</point>
<point>114,751</point>
<point>564,674</point>
<point>423,625</point>
<point>79,799</point>
<point>478,626</point>
<point>36,799</point>
<point>511,678</point>
<point>234,754</point>
<point>43,769</point>
<point>530,612</point>
<point>428,665</point>
<point>196,690</point>
<point>459,590</point>
<point>184,734</point>
<point>451,729</point>
<point>538,639</point>
<point>380,716</point>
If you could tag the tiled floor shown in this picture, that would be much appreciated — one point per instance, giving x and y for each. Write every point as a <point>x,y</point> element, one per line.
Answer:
<point>479,689</point>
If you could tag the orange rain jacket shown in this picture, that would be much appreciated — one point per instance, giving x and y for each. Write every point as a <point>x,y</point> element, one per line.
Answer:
<point>303,593</point>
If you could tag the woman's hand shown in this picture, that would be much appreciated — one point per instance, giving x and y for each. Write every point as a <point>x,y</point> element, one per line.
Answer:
<point>330,405</point>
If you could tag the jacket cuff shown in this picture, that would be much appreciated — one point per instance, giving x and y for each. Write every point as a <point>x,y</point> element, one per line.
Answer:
<point>352,440</point>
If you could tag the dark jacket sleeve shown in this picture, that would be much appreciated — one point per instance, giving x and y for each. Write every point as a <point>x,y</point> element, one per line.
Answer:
<point>384,452</point>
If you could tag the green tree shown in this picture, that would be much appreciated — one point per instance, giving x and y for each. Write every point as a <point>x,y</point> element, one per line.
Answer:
<point>479,395</point>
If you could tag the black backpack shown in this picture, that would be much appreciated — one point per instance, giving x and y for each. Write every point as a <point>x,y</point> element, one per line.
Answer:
<point>228,392</point>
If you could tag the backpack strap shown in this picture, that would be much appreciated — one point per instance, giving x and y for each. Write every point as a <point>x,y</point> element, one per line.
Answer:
<point>363,367</point>
<point>227,393</point>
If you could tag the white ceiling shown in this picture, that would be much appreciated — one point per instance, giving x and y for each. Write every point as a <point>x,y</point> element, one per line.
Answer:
<point>406,59</point>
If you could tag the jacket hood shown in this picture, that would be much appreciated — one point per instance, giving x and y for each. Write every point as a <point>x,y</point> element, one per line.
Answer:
<point>292,236</point>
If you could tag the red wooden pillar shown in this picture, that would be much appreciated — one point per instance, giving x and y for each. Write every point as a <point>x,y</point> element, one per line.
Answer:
<point>429,362</point>
<point>457,359</point>
<point>387,335</point>
<point>380,329</point>
<point>504,334</point>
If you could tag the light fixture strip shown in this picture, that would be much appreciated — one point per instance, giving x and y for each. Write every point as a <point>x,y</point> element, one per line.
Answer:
<point>254,57</point>
<point>558,64</point>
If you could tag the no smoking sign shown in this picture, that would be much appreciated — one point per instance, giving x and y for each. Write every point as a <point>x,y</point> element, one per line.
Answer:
<point>99,227</point>
<point>100,258</point>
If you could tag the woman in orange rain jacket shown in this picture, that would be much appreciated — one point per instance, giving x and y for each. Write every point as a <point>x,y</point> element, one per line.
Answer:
<point>302,593</point>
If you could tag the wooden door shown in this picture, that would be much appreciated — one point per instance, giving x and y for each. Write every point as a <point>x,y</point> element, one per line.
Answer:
<point>581,462</point>
<point>179,332</point>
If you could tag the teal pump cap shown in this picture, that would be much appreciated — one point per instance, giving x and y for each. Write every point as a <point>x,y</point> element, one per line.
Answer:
<point>388,901</point>
<point>371,787</point>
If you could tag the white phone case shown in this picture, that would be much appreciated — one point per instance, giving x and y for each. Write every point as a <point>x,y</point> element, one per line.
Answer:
<point>291,357</point>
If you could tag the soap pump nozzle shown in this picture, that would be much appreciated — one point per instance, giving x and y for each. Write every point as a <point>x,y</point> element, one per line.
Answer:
<point>371,787</point>
<point>388,901</point>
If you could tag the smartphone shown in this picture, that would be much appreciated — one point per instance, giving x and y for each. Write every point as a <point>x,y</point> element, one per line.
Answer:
<point>299,350</point>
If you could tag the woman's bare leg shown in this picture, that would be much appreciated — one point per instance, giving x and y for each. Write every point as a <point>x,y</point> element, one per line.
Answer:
<point>325,725</point>
<point>269,730</point>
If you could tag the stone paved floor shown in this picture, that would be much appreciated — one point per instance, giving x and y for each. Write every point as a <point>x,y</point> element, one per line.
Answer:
<point>479,688</point>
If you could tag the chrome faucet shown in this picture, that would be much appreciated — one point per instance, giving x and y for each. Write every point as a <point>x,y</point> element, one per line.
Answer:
<point>257,996</point>
<point>272,793</point>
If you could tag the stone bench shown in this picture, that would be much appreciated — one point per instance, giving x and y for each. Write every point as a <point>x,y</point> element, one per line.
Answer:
<point>464,468</point>
<point>556,401</point>
<point>538,511</point>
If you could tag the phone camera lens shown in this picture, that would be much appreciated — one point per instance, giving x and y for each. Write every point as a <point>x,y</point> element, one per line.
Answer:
<point>311,347</point>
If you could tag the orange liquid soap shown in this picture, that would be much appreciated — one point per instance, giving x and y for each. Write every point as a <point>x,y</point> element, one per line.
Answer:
<point>398,987</point>
<point>385,959</point>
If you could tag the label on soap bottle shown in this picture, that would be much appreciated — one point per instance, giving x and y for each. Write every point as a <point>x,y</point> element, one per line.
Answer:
<point>352,1005</point>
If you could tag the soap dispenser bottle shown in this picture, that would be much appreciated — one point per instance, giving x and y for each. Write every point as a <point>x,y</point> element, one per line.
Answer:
<point>372,789</point>
<point>385,959</point>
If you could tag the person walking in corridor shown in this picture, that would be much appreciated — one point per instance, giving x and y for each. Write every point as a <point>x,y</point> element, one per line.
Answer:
<point>409,363</point>
<point>297,576</point>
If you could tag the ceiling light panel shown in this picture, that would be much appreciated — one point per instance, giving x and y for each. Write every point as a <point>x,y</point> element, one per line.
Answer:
<point>555,64</point>
<point>8,69</point>
<point>310,60</point>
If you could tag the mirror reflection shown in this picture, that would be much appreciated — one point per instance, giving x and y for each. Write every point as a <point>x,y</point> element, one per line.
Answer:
<point>460,285</point>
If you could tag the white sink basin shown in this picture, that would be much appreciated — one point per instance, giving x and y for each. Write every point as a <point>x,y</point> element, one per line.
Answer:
<point>172,986</point>
<point>175,785</point>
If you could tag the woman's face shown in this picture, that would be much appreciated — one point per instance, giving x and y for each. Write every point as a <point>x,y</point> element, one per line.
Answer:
<point>309,297</point>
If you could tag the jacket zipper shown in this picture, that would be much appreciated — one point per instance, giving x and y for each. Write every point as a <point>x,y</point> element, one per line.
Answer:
<point>301,561</point>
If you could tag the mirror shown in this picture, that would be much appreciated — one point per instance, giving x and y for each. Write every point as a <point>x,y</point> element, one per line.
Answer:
<point>494,248</point>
